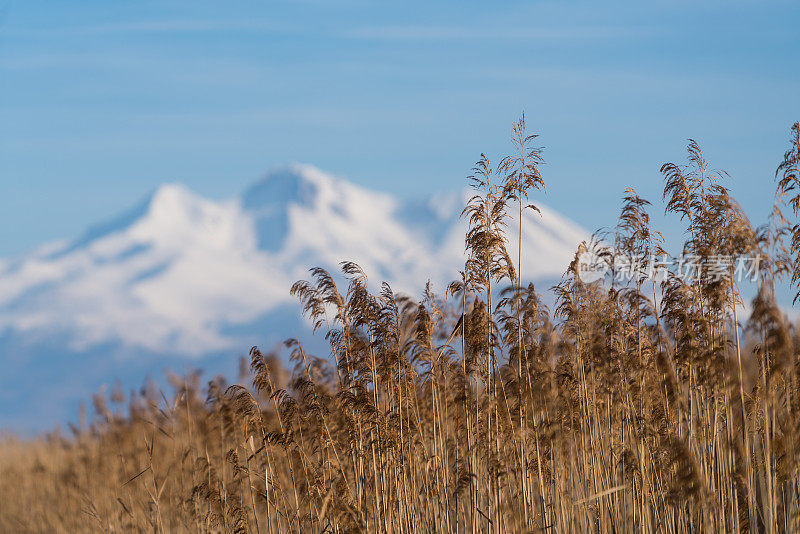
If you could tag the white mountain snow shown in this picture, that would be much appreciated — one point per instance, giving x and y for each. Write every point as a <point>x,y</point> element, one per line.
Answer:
<point>182,281</point>
<point>173,274</point>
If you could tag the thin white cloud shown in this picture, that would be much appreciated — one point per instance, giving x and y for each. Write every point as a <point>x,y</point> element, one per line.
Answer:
<point>378,32</point>
<point>421,32</point>
<point>165,26</point>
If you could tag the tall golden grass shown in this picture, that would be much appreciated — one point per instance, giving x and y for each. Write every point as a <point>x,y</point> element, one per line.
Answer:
<point>637,406</point>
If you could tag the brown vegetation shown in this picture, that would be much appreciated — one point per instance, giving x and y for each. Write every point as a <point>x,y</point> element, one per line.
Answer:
<point>641,406</point>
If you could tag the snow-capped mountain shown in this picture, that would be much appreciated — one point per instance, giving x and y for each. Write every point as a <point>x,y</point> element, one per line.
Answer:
<point>181,276</point>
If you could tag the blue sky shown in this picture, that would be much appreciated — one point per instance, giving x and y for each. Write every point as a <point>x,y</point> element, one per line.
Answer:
<point>101,101</point>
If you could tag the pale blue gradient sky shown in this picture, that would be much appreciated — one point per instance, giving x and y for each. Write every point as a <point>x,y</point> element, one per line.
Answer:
<point>101,101</point>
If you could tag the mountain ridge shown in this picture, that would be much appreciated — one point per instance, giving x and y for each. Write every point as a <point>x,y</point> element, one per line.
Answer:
<point>180,277</point>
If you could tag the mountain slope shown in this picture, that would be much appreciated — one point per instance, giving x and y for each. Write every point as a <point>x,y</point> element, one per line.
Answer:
<point>183,276</point>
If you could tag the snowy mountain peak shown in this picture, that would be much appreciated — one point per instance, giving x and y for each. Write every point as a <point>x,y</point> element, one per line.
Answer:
<point>171,196</point>
<point>178,271</point>
<point>298,195</point>
<point>181,276</point>
<point>298,184</point>
<point>176,217</point>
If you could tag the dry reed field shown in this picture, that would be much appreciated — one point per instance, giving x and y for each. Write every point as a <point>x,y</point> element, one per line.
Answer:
<point>643,405</point>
